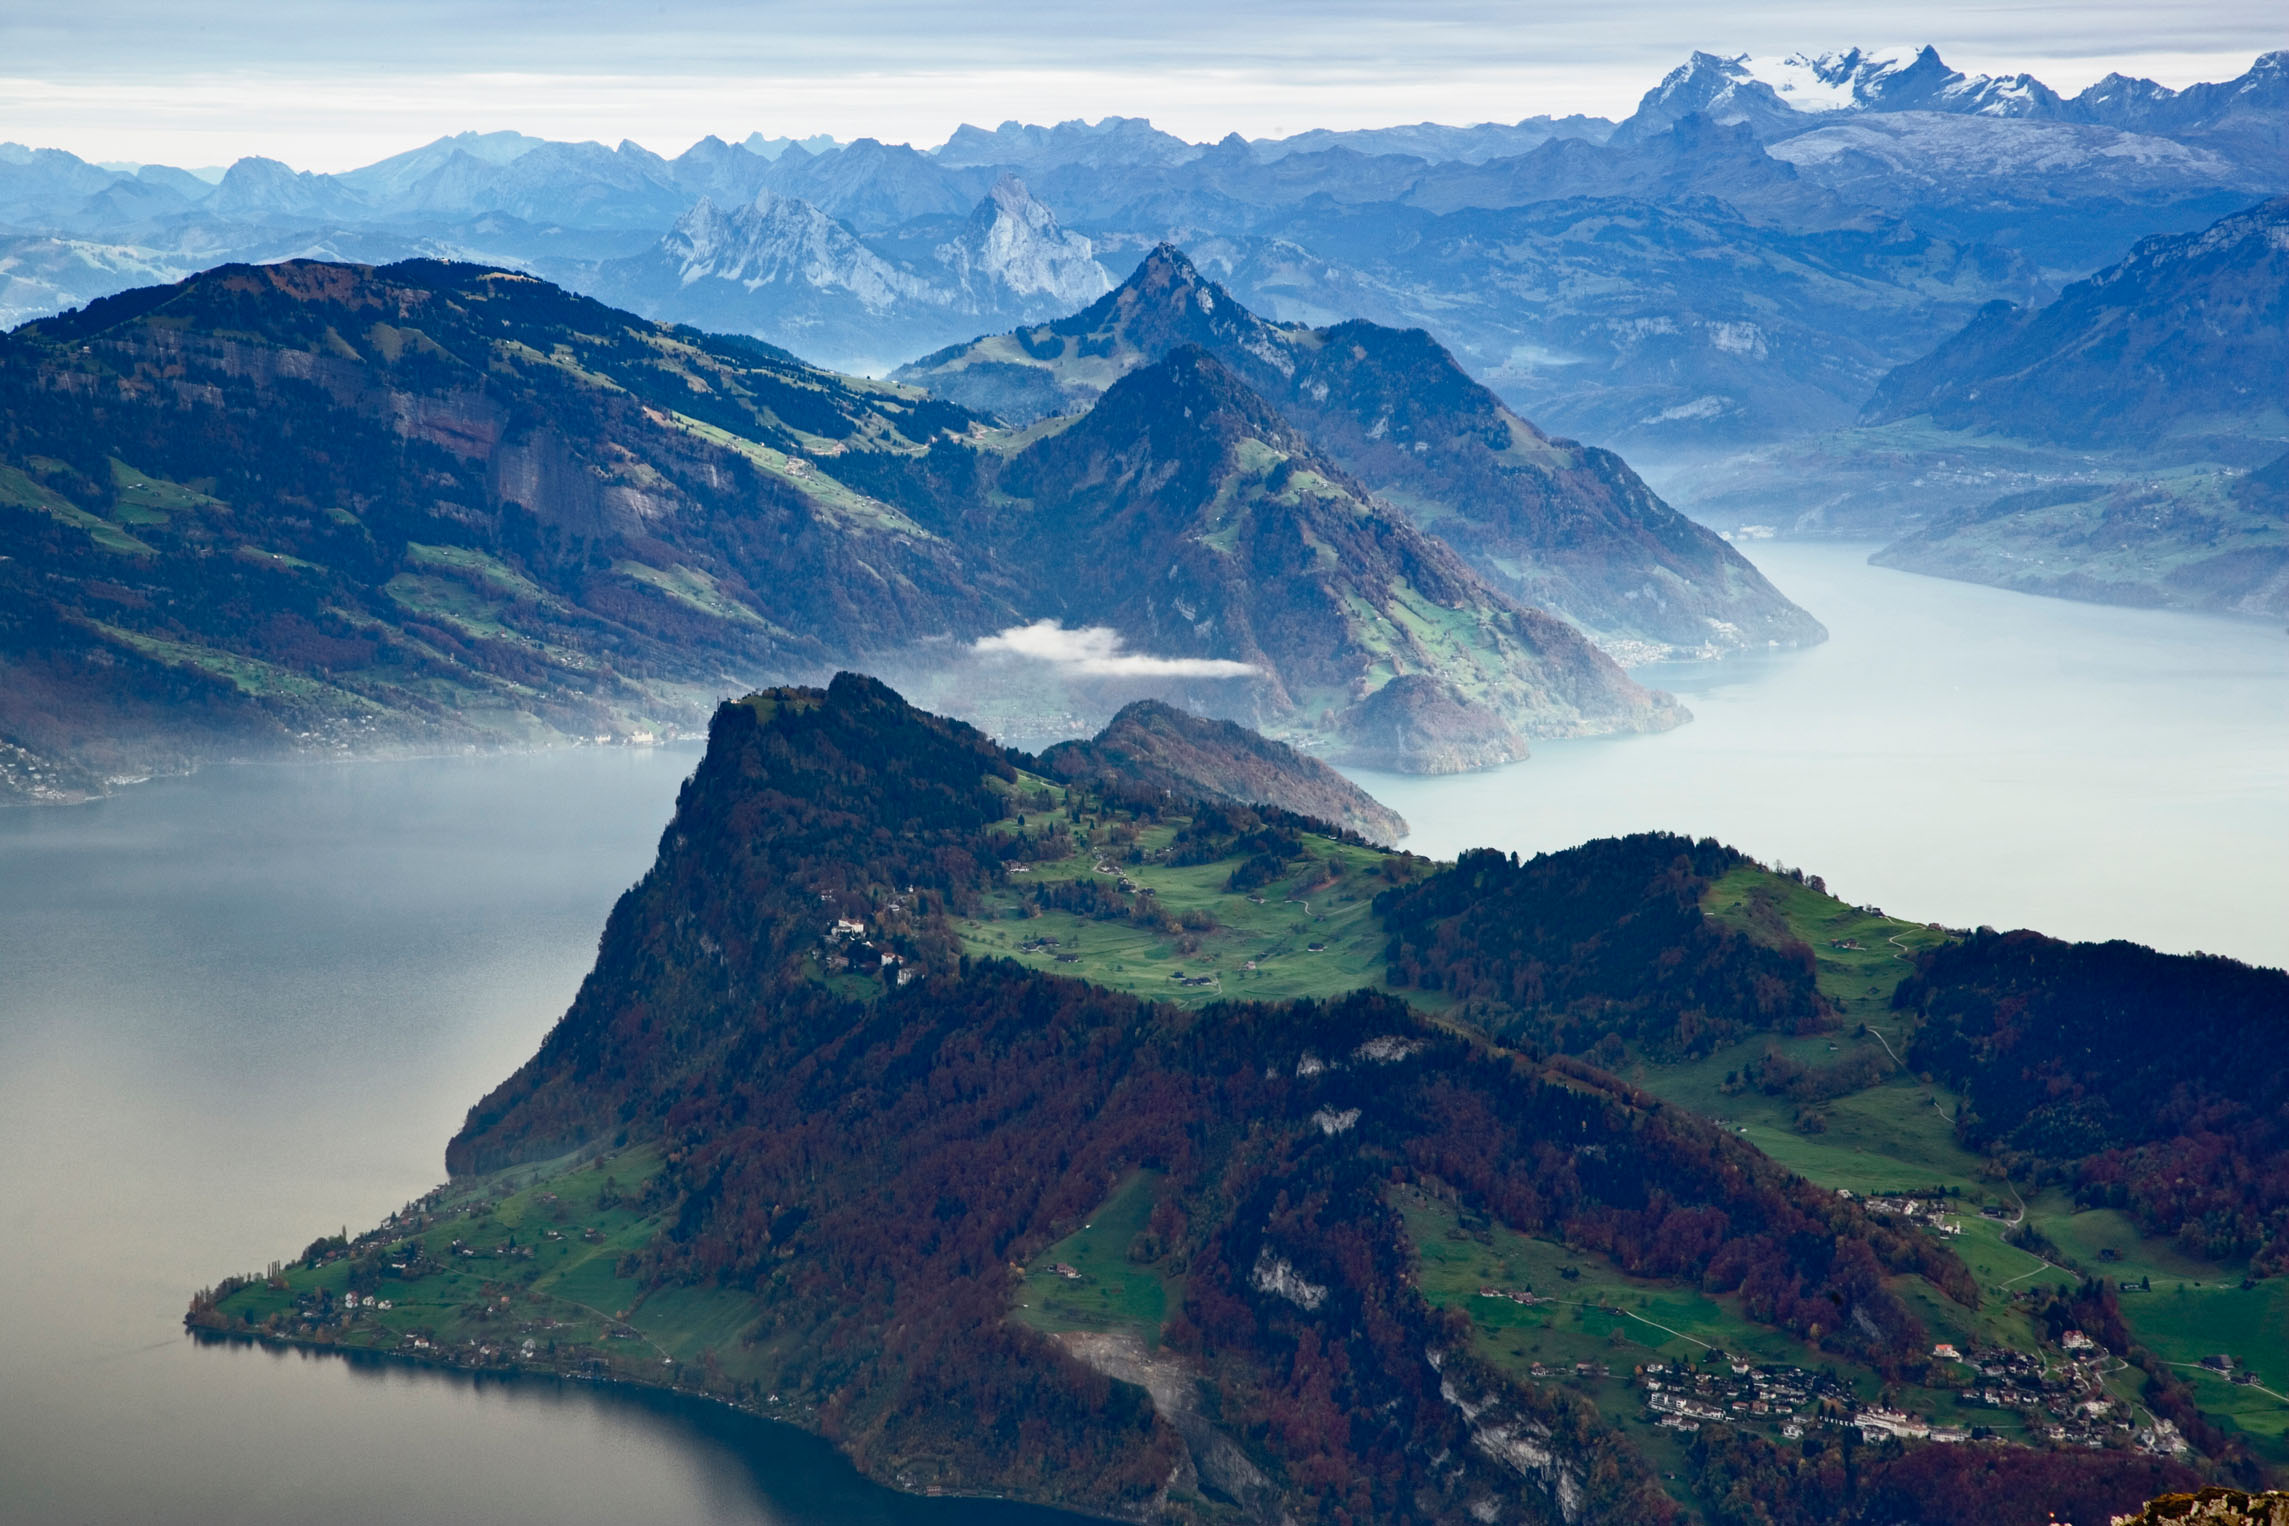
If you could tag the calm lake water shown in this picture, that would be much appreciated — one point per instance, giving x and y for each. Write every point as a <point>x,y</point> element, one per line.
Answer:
<point>246,1008</point>
<point>1953,754</point>
<point>242,1009</point>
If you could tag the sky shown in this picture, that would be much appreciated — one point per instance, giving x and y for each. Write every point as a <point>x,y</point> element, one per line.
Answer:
<point>332,84</point>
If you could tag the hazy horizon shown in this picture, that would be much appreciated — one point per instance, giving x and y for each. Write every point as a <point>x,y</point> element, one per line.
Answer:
<point>332,87</point>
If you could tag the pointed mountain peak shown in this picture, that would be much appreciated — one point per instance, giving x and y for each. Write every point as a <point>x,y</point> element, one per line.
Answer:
<point>1013,247</point>
<point>1010,195</point>
<point>1165,268</point>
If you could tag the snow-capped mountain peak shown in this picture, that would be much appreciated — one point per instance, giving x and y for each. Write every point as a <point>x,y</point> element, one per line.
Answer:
<point>1779,97</point>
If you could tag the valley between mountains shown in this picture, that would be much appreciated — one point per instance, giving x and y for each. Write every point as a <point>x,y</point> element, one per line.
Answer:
<point>1096,1129</point>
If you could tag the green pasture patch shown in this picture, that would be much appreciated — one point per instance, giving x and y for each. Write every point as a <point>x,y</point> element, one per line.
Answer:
<point>259,556</point>
<point>147,498</point>
<point>1895,1136</point>
<point>476,567</point>
<point>248,674</point>
<point>1273,928</point>
<point>1588,1309</point>
<point>1117,1279</point>
<point>822,488</point>
<point>526,1254</point>
<point>1859,956</point>
<point>21,491</point>
<point>693,589</point>
<point>2107,1243</point>
<point>2184,1323</point>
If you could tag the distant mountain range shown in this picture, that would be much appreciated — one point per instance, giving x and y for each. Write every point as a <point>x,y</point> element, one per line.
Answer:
<point>832,293</point>
<point>324,507</point>
<point>1738,261</point>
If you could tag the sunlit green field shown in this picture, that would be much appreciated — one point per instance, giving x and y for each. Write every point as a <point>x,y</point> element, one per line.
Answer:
<point>1118,1288</point>
<point>569,1298</point>
<point>1311,933</point>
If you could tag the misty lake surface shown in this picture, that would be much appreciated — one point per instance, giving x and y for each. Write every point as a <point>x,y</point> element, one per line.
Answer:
<point>1953,754</point>
<point>246,1008</point>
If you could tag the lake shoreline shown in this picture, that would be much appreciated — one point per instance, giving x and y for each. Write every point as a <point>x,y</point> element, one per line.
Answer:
<point>510,1373</point>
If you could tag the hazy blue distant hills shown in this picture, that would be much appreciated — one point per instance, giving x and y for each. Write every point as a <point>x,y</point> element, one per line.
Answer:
<point>2186,338</point>
<point>1870,201</point>
<point>2204,538</point>
<point>325,507</point>
<point>1435,143</point>
<point>2121,443</point>
<point>785,268</point>
<point>1559,525</point>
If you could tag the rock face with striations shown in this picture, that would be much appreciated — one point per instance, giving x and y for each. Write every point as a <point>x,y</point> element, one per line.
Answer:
<point>1157,744</point>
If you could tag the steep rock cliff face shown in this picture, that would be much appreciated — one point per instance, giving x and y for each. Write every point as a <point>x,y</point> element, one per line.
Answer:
<point>1012,252</point>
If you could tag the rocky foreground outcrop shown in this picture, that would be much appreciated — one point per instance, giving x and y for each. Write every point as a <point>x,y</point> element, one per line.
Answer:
<point>2214,1507</point>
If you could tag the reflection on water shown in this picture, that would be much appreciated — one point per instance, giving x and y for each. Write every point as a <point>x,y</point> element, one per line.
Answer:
<point>1954,754</point>
<point>246,1008</point>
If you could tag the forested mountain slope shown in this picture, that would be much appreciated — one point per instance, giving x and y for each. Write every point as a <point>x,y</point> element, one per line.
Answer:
<point>1557,524</point>
<point>2186,340</point>
<point>1156,745</point>
<point>851,1144</point>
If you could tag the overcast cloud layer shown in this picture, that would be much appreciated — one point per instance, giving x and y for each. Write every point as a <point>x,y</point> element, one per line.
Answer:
<point>331,85</point>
